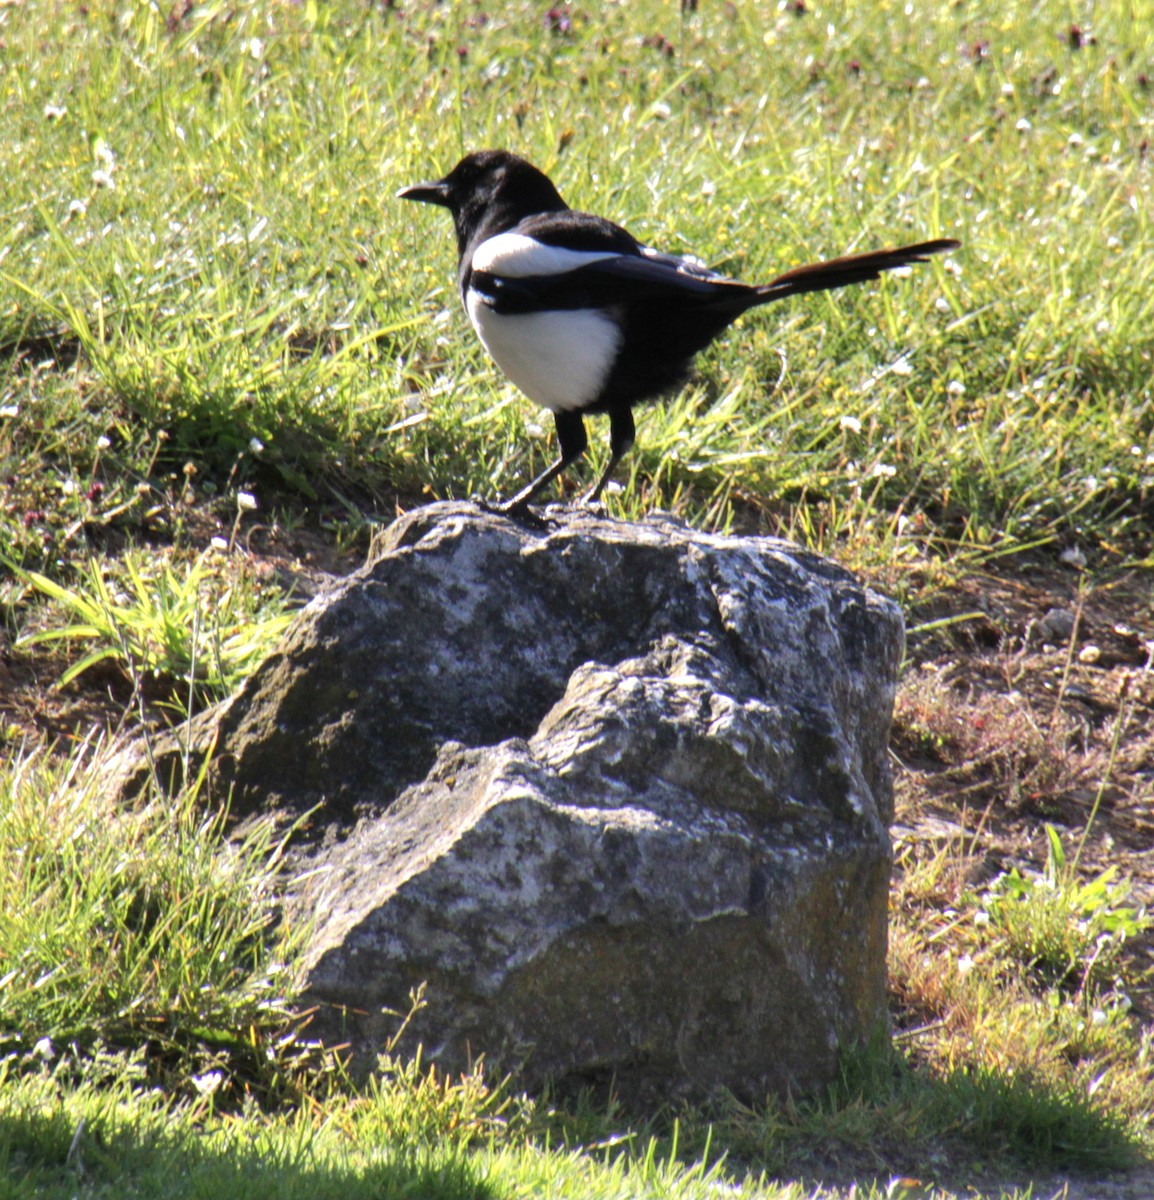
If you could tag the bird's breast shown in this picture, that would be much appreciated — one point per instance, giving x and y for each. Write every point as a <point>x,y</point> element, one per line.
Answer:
<point>559,358</point>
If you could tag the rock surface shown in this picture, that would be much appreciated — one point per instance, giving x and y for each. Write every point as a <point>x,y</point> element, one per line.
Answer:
<point>617,792</point>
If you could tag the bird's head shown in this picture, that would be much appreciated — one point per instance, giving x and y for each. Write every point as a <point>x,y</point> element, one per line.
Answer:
<point>488,192</point>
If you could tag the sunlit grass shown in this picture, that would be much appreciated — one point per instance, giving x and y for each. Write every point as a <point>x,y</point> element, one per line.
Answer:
<point>133,927</point>
<point>205,207</point>
<point>194,630</point>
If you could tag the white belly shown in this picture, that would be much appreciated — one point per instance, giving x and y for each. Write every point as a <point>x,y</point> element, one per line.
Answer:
<point>559,359</point>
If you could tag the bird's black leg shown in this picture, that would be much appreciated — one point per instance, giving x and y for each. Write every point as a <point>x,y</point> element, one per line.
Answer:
<point>572,440</point>
<point>621,434</point>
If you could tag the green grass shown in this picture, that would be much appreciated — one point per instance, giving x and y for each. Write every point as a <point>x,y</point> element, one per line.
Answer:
<point>248,273</point>
<point>209,298</point>
<point>140,926</point>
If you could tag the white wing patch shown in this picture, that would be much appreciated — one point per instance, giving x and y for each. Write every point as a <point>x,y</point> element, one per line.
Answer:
<point>514,255</point>
<point>559,359</point>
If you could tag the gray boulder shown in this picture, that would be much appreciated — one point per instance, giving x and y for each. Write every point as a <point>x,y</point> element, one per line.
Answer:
<point>617,793</point>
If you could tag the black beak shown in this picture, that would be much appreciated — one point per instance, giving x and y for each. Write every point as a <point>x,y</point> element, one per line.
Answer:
<point>428,193</point>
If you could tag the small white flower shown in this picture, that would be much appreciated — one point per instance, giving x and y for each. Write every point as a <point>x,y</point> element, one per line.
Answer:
<point>709,188</point>
<point>981,918</point>
<point>55,112</point>
<point>884,471</point>
<point>1113,243</point>
<point>965,964</point>
<point>219,543</point>
<point>956,388</point>
<point>68,487</point>
<point>942,305</point>
<point>1023,125</point>
<point>661,111</point>
<point>256,445</point>
<point>44,1049</point>
<point>103,154</point>
<point>208,1083</point>
<point>102,442</point>
<point>1073,556</point>
<point>1007,89</point>
<point>246,502</point>
<point>103,179</point>
<point>850,422</point>
<point>10,410</point>
<point>77,208</point>
<point>255,48</point>
<point>1075,139</point>
<point>534,430</point>
<point>901,366</point>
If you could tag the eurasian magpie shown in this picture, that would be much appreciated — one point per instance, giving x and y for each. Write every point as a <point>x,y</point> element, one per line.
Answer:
<point>584,318</point>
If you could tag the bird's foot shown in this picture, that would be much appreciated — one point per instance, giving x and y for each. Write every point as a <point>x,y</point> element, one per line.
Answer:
<point>591,503</point>
<point>594,499</point>
<point>516,509</point>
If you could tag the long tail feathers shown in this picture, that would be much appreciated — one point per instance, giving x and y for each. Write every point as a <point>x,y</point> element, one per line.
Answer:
<point>852,268</point>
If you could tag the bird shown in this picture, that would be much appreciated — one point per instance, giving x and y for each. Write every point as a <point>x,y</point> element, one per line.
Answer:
<point>584,318</point>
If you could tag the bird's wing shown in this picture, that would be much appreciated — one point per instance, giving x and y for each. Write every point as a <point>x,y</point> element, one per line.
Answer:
<point>575,260</point>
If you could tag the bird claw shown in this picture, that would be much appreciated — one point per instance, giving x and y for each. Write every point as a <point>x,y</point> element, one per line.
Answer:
<point>514,510</point>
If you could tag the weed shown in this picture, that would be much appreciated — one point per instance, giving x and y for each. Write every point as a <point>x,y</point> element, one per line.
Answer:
<point>1067,932</point>
<point>200,628</point>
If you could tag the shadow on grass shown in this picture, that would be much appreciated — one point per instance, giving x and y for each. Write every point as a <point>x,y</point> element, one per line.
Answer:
<point>1005,1115</point>
<point>108,1136</point>
<point>882,1118</point>
<point>58,1154</point>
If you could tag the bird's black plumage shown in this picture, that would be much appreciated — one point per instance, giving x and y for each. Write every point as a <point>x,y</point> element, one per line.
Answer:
<point>582,316</point>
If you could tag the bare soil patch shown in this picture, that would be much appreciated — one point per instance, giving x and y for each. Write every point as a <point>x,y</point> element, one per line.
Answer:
<point>1038,711</point>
